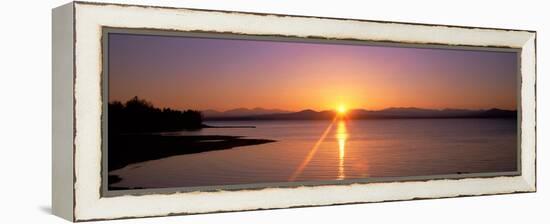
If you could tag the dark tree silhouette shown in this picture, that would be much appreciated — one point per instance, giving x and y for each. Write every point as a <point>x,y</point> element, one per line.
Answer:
<point>130,140</point>
<point>139,115</point>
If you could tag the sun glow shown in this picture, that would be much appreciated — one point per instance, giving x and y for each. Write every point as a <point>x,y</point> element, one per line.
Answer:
<point>342,109</point>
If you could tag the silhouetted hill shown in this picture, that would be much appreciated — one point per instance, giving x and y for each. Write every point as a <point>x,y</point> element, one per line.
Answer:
<point>389,113</point>
<point>498,113</point>
<point>240,112</point>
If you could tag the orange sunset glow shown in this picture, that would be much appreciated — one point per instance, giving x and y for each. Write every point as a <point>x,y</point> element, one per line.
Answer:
<point>218,74</point>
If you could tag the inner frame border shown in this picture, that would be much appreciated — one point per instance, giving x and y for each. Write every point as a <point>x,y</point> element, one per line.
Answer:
<point>106,30</point>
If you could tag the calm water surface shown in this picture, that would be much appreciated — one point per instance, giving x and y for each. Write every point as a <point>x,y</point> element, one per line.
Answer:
<point>335,150</point>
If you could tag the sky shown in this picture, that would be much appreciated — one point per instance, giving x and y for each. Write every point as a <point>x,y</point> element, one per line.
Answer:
<point>224,74</point>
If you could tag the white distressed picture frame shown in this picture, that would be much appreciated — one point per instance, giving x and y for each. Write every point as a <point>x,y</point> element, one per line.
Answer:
<point>77,111</point>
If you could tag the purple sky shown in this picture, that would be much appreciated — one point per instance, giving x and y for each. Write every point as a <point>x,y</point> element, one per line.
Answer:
<point>222,74</point>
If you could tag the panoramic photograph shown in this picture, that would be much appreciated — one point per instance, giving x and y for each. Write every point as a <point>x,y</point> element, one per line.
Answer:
<point>201,111</point>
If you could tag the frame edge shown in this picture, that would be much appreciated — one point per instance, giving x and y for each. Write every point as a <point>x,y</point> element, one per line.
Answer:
<point>62,111</point>
<point>529,112</point>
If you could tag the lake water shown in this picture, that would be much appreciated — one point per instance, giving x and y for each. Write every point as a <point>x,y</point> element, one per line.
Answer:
<point>336,150</point>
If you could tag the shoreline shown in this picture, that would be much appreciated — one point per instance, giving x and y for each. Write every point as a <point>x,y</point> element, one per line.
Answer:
<point>229,126</point>
<point>126,149</point>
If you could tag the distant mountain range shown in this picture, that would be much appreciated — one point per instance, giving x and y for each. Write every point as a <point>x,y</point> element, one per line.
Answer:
<point>389,113</point>
<point>241,112</point>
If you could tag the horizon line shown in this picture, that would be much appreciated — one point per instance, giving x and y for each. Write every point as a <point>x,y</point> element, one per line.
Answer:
<point>315,110</point>
<point>325,110</point>
<point>354,109</point>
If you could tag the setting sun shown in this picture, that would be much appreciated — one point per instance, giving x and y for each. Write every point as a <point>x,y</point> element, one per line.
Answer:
<point>342,109</point>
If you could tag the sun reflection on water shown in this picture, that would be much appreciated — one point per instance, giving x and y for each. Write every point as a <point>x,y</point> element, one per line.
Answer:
<point>341,136</point>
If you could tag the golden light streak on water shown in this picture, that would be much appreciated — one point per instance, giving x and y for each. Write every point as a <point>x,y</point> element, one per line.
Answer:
<point>312,152</point>
<point>341,136</point>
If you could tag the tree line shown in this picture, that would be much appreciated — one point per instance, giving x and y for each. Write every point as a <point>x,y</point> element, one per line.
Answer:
<point>139,115</point>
